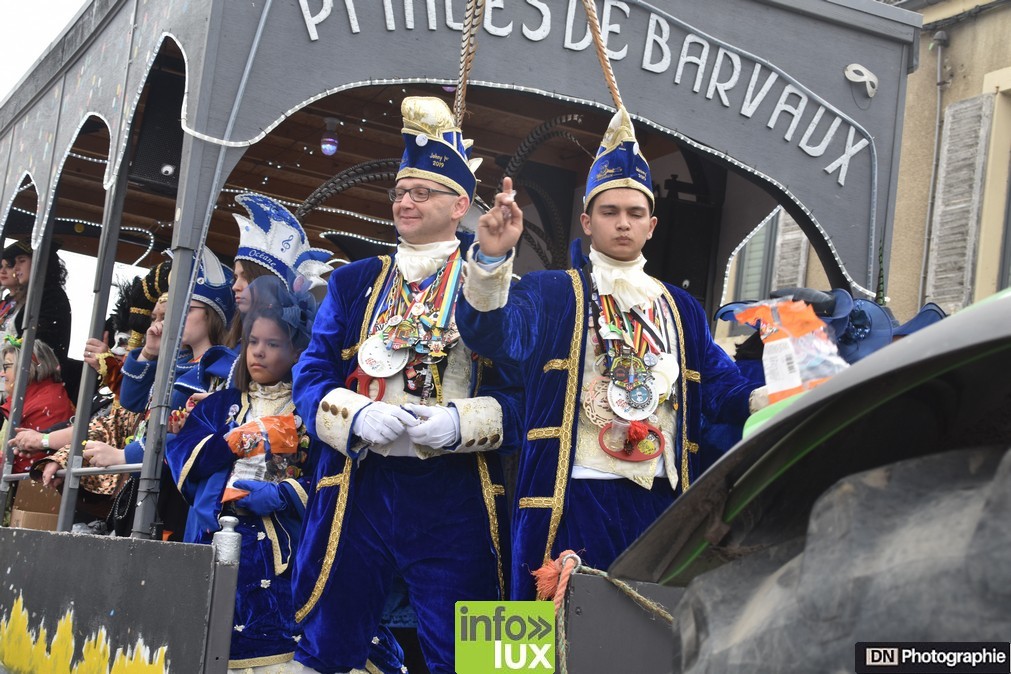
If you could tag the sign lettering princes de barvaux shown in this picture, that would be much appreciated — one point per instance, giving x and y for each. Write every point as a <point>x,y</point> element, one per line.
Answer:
<point>721,73</point>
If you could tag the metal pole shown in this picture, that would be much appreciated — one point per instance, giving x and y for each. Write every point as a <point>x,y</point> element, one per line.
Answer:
<point>188,238</point>
<point>40,262</point>
<point>112,214</point>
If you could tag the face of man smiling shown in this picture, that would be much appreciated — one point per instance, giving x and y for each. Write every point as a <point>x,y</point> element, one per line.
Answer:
<point>428,221</point>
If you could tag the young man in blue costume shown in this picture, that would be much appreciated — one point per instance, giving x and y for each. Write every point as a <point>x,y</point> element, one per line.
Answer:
<point>619,370</point>
<point>408,483</point>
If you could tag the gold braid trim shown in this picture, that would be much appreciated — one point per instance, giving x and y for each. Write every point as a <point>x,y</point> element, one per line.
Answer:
<point>275,544</point>
<point>568,414</point>
<point>683,409</point>
<point>261,661</point>
<point>190,461</point>
<point>371,668</point>
<point>694,376</point>
<point>557,364</point>
<point>151,297</point>
<point>436,383</point>
<point>537,502</point>
<point>138,310</point>
<point>490,490</point>
<point>546,433</point>
<point>342,482</point>
<point>349,353</point>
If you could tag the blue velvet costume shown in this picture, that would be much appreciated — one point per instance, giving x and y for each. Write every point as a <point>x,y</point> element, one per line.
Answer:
<point>207,374</point>
<point>541,334</point>
<point>433,521</point>
<point>201,461</point>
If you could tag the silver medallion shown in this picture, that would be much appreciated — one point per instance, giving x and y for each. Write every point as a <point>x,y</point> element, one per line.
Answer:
<point>378,361</point>
<point>621,404</point>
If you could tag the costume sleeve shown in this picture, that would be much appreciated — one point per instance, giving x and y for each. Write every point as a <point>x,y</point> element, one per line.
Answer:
<point>110,372</point>
<point>318,376</point>
<point>725,391</point>
<point>495,320</point>
<point>138,378</point>
<point>491,419</point>
<point>200,450</point>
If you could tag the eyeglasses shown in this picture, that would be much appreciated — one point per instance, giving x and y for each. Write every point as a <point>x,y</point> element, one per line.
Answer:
<point>418,194</point>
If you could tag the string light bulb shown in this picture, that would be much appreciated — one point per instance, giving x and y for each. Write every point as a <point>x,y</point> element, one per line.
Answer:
<point>328,143</point>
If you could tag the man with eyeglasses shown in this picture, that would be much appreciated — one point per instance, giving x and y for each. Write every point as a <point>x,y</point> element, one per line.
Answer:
<point>411,486</point>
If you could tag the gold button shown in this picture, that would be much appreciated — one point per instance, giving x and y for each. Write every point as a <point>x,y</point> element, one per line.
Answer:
<point>483,441</point>
<point>495,438</point>
<point>469,443</point>
<point>344,412</point>
<point>333,410</point>
<point>325,406</point>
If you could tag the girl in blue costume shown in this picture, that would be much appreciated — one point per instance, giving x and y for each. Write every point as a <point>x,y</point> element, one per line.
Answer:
<point>202,366</point>
<point>247,441</point>
<point>244,452</point>
<point>203,352</point>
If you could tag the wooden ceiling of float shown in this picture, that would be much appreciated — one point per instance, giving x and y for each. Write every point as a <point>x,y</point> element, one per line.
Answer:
<point>288,165</point>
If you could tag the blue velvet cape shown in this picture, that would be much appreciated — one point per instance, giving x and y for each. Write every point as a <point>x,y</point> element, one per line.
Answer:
<point>342,323</point>
<point>264,628</point>
<point>540,336</point>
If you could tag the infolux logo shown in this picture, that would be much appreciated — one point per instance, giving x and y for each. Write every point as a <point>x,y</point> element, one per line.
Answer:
<point>505,636</point>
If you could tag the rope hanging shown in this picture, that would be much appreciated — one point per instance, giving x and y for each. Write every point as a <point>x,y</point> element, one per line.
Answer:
<point>598,40</point>
<point>552,580</point>
<point>468,47</point>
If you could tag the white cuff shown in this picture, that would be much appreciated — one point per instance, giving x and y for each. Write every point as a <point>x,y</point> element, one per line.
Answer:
<point>480,423</point>
<point>487,290</point>
<point>334,417</point>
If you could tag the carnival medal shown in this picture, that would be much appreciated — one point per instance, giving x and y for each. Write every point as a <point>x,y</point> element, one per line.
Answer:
<point>376,359</point>
<point>632,405</point>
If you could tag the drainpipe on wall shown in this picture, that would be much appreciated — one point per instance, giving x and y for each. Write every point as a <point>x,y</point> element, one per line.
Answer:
<point>940,40</point>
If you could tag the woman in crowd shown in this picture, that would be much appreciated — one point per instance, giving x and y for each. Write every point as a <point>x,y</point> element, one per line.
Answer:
<point>47,406</point>
<point>54,311</point>
<point>210,310</point>
<point>10,291</point>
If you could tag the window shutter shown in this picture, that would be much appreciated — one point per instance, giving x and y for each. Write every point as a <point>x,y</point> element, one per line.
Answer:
<point>790,266</point>
<point>958,198</point>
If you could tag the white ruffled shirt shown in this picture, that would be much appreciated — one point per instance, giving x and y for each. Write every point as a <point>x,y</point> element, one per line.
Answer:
<point>626,282</point>
<point>417,262</point>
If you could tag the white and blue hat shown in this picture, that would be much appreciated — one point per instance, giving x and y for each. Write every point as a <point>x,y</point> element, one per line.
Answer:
<point>273,238</point>
<point>214,286</point>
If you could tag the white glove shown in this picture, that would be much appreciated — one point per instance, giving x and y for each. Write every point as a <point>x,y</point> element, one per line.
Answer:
<point>438,426</point>
<point>380,423</point>
<point>759,399</point>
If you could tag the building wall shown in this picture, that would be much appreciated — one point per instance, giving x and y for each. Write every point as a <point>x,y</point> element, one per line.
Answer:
<point>970,65</point>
